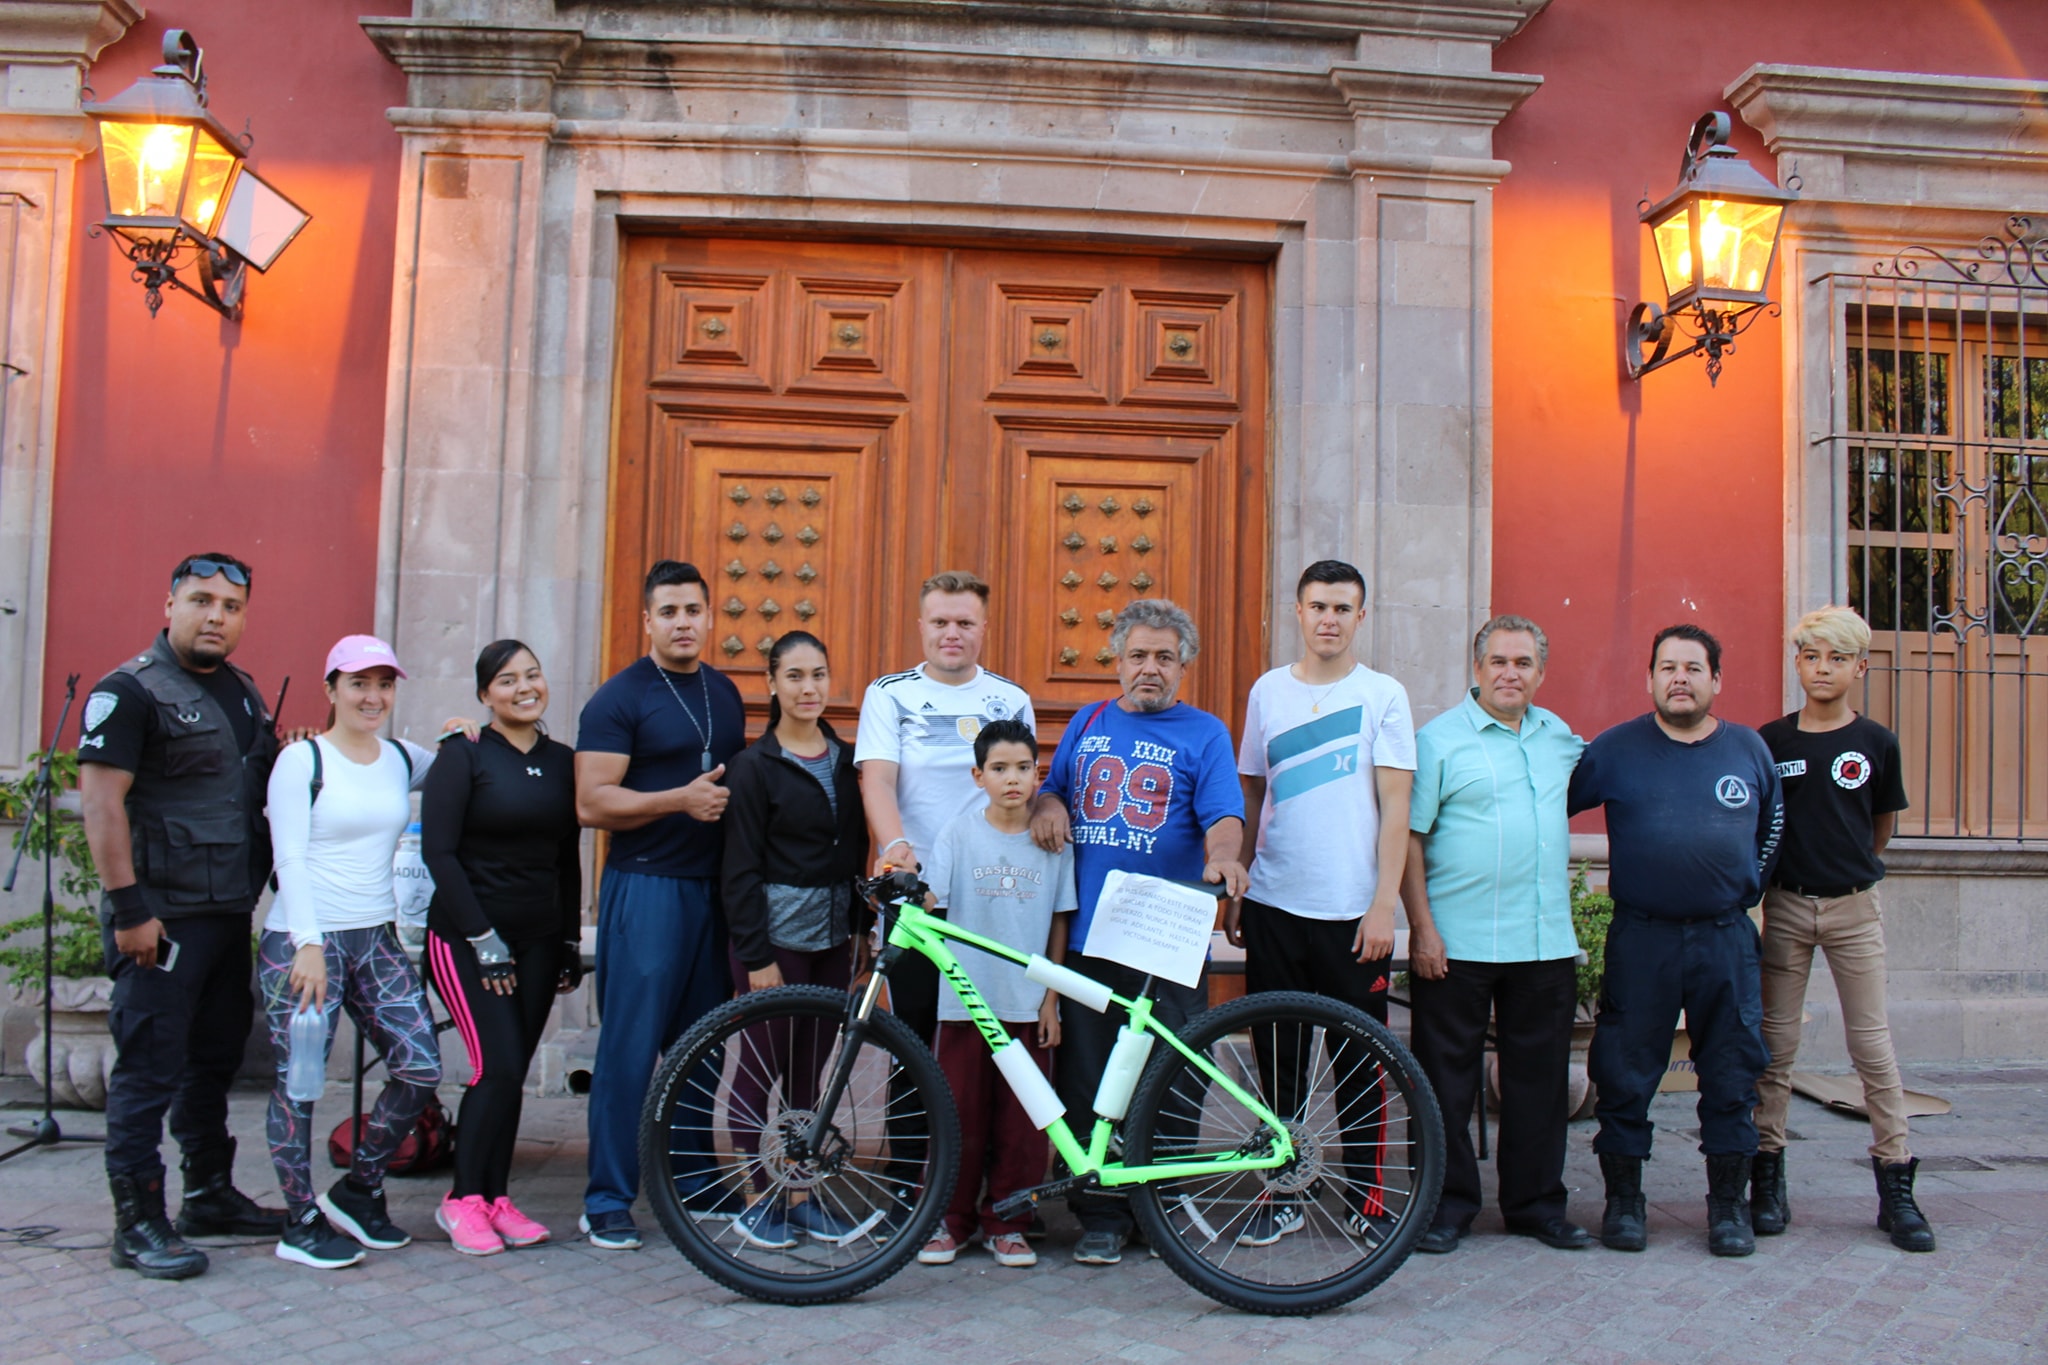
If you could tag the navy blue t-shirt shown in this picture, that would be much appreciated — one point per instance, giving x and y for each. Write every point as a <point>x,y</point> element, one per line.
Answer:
<point>637,714</point>
<point>1692,829</point>
<point>1142,789</point>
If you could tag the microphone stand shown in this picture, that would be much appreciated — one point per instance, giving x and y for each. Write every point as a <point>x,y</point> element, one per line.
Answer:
<point>44,1132</point>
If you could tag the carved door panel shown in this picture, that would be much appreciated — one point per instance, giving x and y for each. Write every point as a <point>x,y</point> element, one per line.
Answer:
<point>767,435</point>
<point>819,426</point>
<point>1109,443</point>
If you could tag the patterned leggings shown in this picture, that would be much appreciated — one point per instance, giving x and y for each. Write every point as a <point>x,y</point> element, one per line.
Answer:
<point>369,975</point>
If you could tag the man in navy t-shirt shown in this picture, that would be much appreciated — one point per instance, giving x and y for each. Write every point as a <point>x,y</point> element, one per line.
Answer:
<point>650,750</point>
<point>1147,784</point>
<point>1693,820</point>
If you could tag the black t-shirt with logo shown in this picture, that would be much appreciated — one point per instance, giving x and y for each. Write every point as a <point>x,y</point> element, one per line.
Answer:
<point>1836,783</point>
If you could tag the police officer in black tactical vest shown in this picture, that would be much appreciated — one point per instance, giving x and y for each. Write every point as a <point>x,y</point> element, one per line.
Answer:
<point>174,759</point>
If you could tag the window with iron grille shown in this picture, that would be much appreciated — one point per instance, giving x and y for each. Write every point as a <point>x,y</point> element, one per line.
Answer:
<point>1939,449</point>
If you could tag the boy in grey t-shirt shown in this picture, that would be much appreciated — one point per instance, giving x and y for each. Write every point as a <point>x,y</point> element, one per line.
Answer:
<point>993,880</point>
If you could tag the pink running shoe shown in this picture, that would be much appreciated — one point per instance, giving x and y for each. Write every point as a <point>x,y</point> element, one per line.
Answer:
<point>467,1221</point>
<point>514,1227</point>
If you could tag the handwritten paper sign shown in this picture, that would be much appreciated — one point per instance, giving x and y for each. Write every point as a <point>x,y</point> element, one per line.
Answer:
<point>1152,925</point>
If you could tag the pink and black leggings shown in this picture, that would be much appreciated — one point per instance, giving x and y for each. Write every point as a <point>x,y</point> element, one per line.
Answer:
<point>500,1033</point>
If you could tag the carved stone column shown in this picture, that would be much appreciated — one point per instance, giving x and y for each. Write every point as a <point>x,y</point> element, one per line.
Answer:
<point>45,47</point>
<point>1423,171</point>
<point>458,461</point>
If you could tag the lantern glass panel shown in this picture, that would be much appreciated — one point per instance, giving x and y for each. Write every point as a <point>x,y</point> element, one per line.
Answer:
<point>1674,250</point>
<point>213,165</point>
<point>1735,244</point>
<point>145,167</point>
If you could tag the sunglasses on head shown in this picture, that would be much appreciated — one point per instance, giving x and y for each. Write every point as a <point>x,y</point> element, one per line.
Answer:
<point>201,567</point>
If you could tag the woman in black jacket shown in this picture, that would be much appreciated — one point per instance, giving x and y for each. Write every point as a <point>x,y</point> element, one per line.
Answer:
<point>498,833</point>
<point>796,841</point>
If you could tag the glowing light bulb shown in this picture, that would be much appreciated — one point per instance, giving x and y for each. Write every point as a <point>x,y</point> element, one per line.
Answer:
<point>207,206</point>
<point>1684,264</point>
<point>1756,281</point>
<point>164,148</point>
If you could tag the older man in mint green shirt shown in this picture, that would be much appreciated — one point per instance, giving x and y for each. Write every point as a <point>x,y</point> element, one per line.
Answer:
<point>1487,889</point>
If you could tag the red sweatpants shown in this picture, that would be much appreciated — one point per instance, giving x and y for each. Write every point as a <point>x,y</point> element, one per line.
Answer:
<point>996,1136</point>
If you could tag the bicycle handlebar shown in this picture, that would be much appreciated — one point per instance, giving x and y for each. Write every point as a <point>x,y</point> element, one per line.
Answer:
<point>886,891</point>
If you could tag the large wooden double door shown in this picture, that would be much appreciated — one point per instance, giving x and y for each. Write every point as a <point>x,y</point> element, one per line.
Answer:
<point>819,426</point>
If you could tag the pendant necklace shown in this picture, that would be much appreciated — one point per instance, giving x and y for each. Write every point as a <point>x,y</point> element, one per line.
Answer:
<point>1315,702</point>
<point>704,730</point>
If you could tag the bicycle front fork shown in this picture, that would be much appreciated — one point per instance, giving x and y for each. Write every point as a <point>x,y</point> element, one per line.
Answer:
<point>820,1139</point>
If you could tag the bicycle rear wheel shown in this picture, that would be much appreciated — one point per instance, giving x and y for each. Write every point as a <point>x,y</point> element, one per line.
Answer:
<point>1368,1164</point>
<point>721,1124</point>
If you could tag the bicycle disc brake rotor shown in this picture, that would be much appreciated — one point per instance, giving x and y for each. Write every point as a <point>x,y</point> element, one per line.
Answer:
<point>776,1160</point>
<point>1307,1166</point>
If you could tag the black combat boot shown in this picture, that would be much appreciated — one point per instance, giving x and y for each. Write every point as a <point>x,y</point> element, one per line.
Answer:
<point>213,1207</point>
<point>1626,1225</point>
<point>143,1240</point>
<point>1728,1230</point>
<point>1770,1208</point>
<point>1896,1211</point>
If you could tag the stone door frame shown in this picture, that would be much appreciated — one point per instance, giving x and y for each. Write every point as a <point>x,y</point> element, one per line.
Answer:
<point>1356,150</point>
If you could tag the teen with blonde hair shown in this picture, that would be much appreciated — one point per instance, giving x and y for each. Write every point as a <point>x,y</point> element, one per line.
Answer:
<point>1843,792</point>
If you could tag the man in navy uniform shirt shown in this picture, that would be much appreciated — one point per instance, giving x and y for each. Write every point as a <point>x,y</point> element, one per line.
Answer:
<point>1693,821</point>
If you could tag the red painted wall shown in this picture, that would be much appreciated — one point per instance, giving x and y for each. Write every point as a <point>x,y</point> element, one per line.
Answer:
<point>262,438</point>
<point>1620,507</point>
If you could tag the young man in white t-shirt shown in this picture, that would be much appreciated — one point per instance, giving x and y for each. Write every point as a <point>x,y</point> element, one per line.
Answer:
<point>915,750</point>
<point>1327,761</point>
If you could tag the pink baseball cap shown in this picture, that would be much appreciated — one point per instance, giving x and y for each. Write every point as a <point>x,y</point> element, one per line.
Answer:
<point>355,653</point>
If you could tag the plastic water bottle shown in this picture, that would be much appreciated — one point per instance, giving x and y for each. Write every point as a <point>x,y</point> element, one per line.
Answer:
<point>305,1074</point>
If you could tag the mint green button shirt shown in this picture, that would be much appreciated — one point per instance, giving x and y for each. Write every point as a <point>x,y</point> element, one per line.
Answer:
<point>1491,802</point>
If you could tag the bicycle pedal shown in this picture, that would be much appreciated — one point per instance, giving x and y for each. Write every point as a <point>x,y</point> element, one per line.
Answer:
<point>1026,1201</point>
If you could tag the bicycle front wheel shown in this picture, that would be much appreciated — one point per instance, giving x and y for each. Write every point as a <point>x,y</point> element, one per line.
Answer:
<point>737,1186</point>
<point>1368,1154</point>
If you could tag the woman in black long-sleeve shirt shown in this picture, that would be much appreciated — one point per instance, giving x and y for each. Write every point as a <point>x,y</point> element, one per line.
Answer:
<point>795,842</point>
<point>498,832</point>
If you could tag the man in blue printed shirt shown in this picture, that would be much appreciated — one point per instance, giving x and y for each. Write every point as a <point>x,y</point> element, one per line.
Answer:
<point>1488,894</point>
<point>1143,783</point>
<point>1694,815</point>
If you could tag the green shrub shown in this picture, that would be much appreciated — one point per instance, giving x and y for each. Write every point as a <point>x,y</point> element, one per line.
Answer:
<point>76,950</point>
<point>1591,912</point>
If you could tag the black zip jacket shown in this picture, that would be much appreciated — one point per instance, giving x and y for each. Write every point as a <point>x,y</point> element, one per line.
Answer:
<point>780,831</point>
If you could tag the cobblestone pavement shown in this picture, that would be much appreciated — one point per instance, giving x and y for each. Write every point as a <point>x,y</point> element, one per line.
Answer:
<point>1831,1290</point>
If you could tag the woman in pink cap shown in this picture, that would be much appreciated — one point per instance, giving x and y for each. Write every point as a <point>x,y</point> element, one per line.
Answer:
<point>338,803</point>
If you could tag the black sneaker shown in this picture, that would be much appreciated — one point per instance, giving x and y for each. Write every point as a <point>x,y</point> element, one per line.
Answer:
<point>361,1216</point>
<point>310,1241</point>
<point>612,1230</point>
<point>1272,1219</point>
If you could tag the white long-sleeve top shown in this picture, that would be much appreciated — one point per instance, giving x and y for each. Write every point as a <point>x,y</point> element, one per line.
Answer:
<point>333,856</point>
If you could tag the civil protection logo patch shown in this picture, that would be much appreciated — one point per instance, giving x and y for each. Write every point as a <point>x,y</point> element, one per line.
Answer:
<point>1732,792</point>
<point>1851,770</point>
<point>98,707</point>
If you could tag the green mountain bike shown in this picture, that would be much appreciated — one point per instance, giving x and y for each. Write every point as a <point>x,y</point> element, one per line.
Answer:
<point>1282,1154</point>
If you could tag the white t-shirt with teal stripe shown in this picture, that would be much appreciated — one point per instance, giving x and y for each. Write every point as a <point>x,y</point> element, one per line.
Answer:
<point>1319,829</point>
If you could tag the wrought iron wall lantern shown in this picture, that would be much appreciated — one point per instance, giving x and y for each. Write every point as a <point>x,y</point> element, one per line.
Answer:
<point>1716,236</point>
<point>179,197</point>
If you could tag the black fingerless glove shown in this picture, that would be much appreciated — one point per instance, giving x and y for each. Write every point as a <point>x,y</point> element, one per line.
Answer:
<point>572,965</point>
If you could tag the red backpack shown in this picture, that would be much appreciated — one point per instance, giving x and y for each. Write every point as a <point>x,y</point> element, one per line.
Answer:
<point>428,1147</point>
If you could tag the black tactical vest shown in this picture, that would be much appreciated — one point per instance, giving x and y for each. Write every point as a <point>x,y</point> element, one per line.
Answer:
<point>195,810</point>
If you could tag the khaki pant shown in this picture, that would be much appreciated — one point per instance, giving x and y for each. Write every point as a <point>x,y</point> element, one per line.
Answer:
<point>1850,930</point>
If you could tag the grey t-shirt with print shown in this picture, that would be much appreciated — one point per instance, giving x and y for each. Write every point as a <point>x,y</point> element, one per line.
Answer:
<point>1004,887</point>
